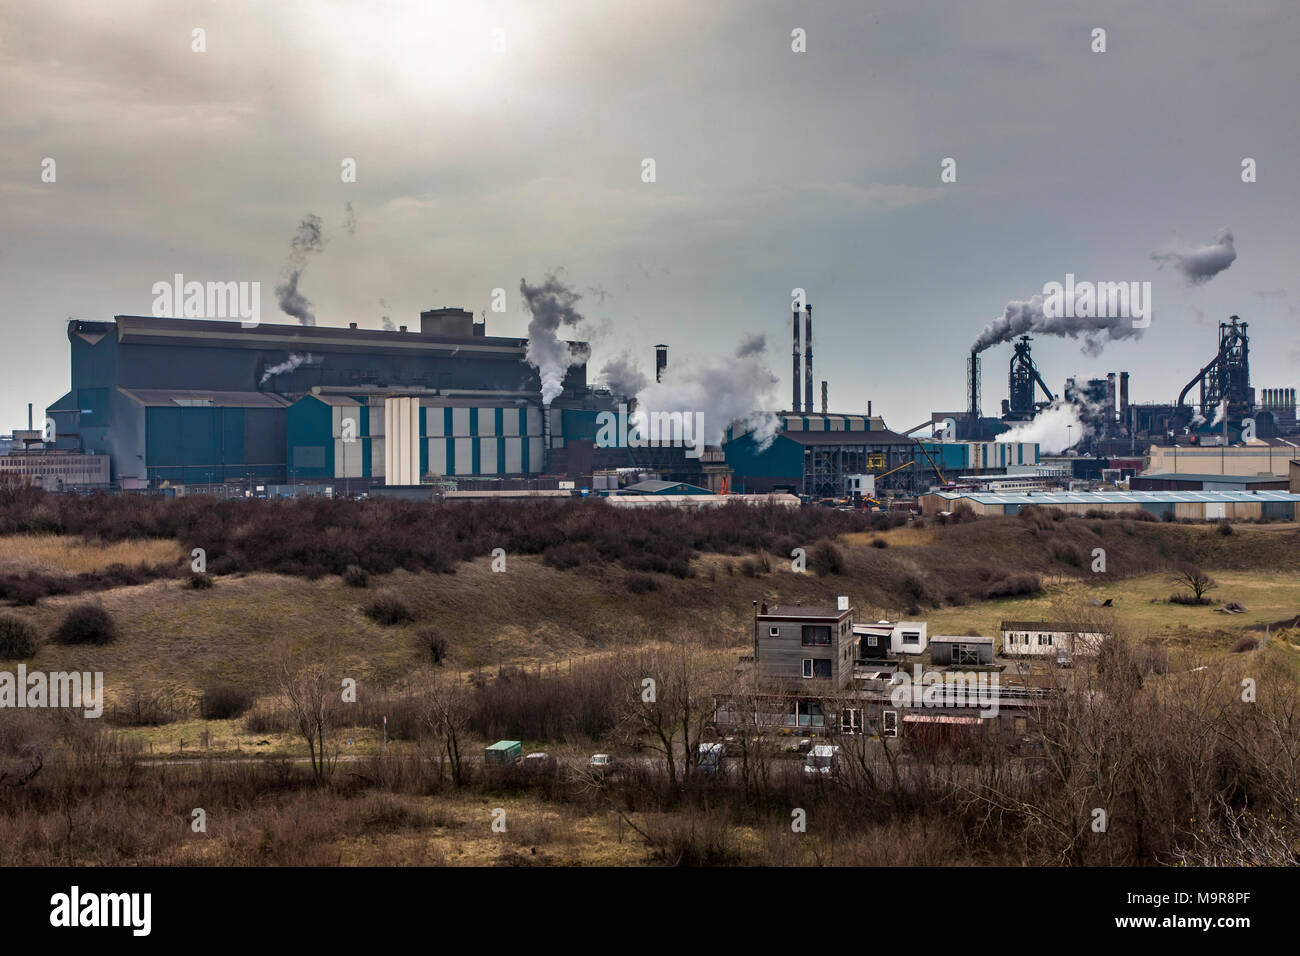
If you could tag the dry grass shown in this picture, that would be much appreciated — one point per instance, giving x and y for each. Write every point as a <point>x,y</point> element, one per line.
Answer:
<point>59,553</point>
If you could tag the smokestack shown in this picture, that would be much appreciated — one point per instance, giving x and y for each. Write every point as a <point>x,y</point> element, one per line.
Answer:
<point>868,408</point>
<point>973,391</point>
<point>1123,395</point>
<point>29,416</point>
<point>661,361</point>
<point>807,358</point>
<point>824,403</point>
<point>1110,396</point>
<point>546,438</point>
<point>798,379</point>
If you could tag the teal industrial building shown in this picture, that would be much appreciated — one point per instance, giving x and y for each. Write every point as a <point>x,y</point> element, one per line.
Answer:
<point>189,401</point>
<point>816,454</point>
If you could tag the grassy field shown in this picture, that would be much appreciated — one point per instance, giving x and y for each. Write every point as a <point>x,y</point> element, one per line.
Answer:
<point>1141,606</point>
<point>59,553</point>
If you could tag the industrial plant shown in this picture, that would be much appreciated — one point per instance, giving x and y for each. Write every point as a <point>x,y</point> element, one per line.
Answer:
<point>197,406</point>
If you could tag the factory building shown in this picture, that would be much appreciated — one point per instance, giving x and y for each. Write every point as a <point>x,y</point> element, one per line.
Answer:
<point>190,401</point>
<point>823,461</point>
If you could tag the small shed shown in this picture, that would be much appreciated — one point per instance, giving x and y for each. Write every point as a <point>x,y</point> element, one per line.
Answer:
<point>958,651</point>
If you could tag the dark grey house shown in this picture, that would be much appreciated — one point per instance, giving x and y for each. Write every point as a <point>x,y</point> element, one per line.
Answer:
<point>961,650</point>
<point>796,643</point>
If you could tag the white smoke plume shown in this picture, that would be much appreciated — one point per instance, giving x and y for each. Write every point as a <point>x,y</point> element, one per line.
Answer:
<point>307,241</point>
<point>754,343</point>
<point>387,323</point>
<point>1200,264</point>
<point>552,306</point>
<point>1055,428</point>
<point>1219,412</point>
<point>1025,317</point>
<point>288,365</point>
<point>622,376</point>
<point>726,391</point>
<point>1197,419</point>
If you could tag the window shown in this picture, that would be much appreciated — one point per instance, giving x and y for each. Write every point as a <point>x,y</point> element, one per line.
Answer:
<point>889,723</point>
<point>1021,725</point>
<point>872,640</point>
<point>815,635</point>
<point>773,631</point>
<point>809,713</point>
<point>850,721</point>
<point>912,638</point>
<point>817,668</point>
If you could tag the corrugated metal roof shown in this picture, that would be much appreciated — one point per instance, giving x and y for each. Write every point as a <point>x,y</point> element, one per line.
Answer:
<point>881,437</point>
<point>1191,476</point>
<point>178,397</point>
<point>1115,497</point>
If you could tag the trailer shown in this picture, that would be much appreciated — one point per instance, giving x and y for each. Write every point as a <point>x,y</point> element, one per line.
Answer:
<point>503,753</point>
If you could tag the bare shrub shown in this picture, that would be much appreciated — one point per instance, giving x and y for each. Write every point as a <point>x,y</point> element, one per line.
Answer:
<point>87,623</point>
<point>224,701</point>
<point>18,638</point>
<point>388,608</point>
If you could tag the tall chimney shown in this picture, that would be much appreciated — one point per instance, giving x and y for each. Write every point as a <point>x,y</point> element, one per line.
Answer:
<point>1123,395</point>
<point>546,438</point>
<point>1110,396</point>
<point>824,409</point>
<point>29,416</point>
<point>661,361</point>
<point>807,357</point>
<point>973,392</point>
<point>798,379</point>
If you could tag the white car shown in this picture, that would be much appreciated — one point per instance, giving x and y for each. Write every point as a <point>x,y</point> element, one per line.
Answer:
<point>822,759</point>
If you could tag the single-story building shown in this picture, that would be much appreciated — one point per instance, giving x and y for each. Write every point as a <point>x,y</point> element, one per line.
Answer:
<point>1048,639</point>
<point>1189,481</point>
<point>1190,505</point>
<point>949,650</point>
<point>880,639</point>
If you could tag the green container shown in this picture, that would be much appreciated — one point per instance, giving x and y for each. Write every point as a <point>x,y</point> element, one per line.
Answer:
<point>503,752</point>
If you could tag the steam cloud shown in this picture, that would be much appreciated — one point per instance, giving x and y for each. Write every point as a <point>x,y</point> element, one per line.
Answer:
<point>753,343</point>
<point>388,324</point>
<point>288,365</point>
<point>1200,264</point>
<point>1054,428</point>
<point>552,306</point>
<point>306,242</point>
<point>1024,317</point>
<point>622,376</point>
<point>726,391</point>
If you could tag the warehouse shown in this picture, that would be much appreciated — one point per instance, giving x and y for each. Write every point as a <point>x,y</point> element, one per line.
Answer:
<point>1180,505</point>
<point>196,401</point>
<point>816,455</point>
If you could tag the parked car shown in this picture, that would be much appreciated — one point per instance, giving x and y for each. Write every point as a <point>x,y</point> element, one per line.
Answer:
<point>822,759</point>
<point>539,762</point>
<point>711,757</point>
<point>602,765</point>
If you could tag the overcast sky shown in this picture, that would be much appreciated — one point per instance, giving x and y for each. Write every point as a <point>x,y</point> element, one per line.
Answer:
<point>775,170</point>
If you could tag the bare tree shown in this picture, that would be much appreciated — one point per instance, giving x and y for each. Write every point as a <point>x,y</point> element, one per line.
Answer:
<point>313,694</point>
<point>444,711</point>
<point>1200,583</point>
<point>669,703</point>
